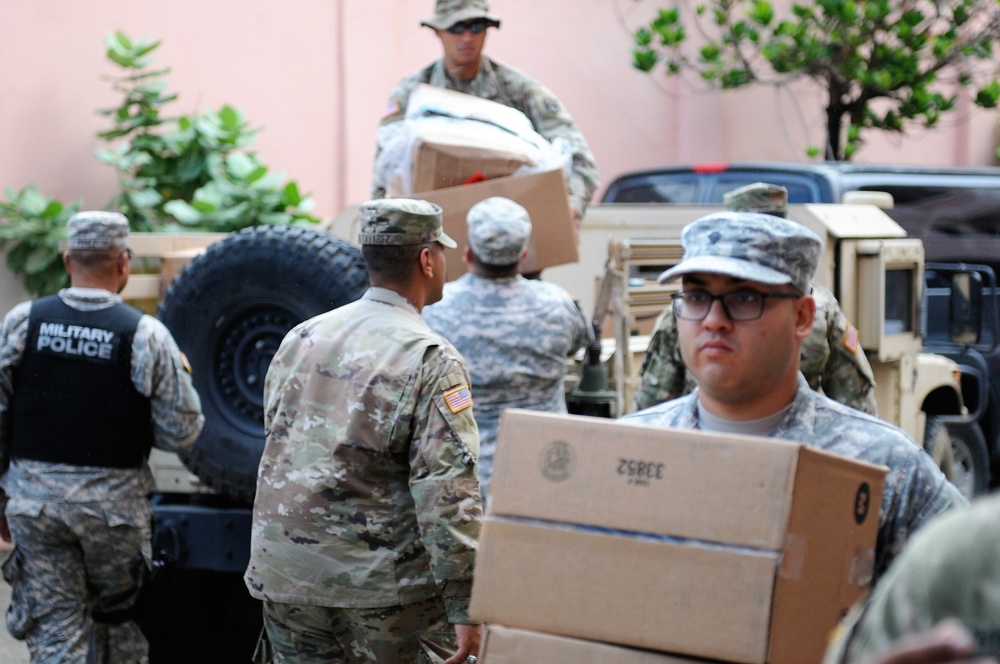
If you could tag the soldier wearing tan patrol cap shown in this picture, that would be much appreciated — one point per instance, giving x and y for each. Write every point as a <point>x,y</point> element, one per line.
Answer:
<point>88,385</point>
<point>832,357</point>
<point>461,26</point>
<point>367,509</point>
<point>742,315</point>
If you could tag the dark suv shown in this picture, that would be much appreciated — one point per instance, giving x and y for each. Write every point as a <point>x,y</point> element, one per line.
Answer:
<point>955,211</point>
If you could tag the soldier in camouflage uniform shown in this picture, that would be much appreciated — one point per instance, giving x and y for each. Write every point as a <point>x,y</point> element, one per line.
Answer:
<point>832,357</point>
<point>367,509</point>
<point>461,26</point>
<point>744,354</point>
<point>948,572</point>
<point>515,333</point>
<point>87,385</point>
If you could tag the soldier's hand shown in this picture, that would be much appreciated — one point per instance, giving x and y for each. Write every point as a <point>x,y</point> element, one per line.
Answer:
<point>948,642</point>
<point>469,637</point>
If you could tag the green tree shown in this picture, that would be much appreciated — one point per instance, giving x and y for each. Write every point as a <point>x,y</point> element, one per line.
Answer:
<point>909,57</point>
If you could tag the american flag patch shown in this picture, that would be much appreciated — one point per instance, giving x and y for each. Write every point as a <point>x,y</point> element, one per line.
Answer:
<point>391,109</point>
<point>851,340</point>
<point>458,399</point>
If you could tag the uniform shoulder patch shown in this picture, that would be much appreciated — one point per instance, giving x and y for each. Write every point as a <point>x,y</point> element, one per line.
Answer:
<point>851,338</point>
<point>458,399</point>
<point>391,109</point>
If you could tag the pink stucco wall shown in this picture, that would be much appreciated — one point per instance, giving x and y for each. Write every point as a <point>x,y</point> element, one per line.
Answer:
<point>315,74</point>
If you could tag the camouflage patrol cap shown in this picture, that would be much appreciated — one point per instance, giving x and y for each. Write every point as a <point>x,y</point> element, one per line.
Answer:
<point>499,230</point>
<point>748,245</point>
<point>449,12</point>
<point>758,197</point>
<point>402,221</point>
<point>97,230</point>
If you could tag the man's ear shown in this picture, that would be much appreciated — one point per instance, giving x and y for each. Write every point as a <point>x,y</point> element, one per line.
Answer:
<point>427,262</point>
<point>67,263</point>
<point>805,316</point>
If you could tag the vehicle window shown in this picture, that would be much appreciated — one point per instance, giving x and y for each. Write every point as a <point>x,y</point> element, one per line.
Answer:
<point>657,189</point>
<point>799,191</point>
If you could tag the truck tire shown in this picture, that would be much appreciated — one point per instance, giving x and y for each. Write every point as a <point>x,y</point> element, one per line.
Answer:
<point>229,310</point>
<point>972,461</point>
<point>937,442</point>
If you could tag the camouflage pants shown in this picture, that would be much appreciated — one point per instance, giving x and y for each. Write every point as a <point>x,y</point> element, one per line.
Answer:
<point>416,633</point>
<point>75,575</point>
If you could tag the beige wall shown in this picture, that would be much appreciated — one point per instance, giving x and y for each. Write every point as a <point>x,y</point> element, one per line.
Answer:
<point>315,74</point>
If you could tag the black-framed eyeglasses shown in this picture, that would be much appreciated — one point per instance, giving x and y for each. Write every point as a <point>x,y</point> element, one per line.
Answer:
<point>741,305</point>
<point>476,26</point>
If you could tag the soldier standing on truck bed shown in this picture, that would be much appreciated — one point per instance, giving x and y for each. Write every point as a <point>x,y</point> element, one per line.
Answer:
<point>832,357</point>
<point>367,510</point>
<point>742,315</point>
<point>87,385</point>
<point>461,26</point>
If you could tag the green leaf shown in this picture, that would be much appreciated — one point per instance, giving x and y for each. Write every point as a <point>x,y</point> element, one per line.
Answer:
<point>182,212</point>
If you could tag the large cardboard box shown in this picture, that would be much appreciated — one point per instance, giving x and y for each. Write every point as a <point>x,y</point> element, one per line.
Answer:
<point>736,548</point>
<point>543,195</point>
<point>503,645</point>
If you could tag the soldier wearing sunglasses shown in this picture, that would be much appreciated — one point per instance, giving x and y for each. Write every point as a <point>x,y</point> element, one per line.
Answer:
<point>461,25</point>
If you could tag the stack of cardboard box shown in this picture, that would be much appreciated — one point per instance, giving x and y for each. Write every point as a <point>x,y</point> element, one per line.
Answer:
<point>457,168</point>
<point>617,537</point>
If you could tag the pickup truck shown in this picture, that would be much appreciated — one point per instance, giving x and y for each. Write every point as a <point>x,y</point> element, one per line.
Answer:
<point>955,212</point>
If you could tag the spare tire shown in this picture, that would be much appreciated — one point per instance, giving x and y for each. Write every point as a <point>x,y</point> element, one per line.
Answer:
<point>229,310</point>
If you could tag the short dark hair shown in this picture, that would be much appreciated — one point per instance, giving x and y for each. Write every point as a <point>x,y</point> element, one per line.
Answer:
<point>392,263</point>
<point>494,270</point>
<point>95,259</point>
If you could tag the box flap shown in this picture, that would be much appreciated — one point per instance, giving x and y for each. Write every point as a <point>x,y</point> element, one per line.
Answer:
<point>732,489</point>
<point>829,554</point>
<point>543,195</point>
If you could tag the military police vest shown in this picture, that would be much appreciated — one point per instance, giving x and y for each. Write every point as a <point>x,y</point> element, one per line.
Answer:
<point>74,401</point>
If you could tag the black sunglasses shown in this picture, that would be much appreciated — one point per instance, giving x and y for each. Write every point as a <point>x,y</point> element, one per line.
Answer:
<point>475,27</point>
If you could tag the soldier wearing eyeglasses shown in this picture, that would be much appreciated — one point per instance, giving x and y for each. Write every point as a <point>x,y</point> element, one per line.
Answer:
<point>461,26</point>
<point>832,358</point>
<point>742,314</point>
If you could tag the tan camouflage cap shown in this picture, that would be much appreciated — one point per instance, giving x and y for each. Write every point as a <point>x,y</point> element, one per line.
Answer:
<point>449,12</point>
<point>758,197</point>
<point>499,230</point>
<point>97,230</point>
<point>749,245</point>
<point>402,221</point>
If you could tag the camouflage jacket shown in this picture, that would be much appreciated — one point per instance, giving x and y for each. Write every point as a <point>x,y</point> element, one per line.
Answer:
<point>367,493</point>
<point>158,371</point>
<point>515,334</point>
<point>511,87</point>
<point>915,489</point>
<point>948,570</point>
<point>831,359</point>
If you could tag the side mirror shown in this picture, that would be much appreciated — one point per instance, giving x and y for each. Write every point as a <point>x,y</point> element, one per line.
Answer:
<point>965,321</point>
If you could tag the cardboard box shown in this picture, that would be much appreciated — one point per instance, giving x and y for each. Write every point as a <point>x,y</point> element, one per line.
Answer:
<point>736,548</point>
<point>441,162</point>
<point>543,195</point>
<point>503,645</point>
